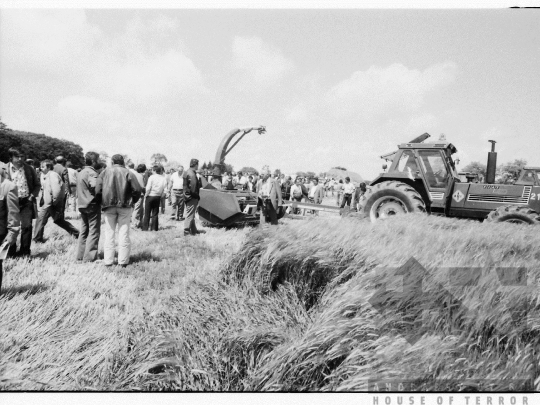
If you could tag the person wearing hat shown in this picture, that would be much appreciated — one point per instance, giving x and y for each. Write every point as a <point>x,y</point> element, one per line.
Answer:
<point>28,186</point>
<point>10,217</point>
<point>192,185</point>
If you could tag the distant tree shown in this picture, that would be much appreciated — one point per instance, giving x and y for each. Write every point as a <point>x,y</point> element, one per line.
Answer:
<point>249,169</point>
<point>323,175</point>
<point>277,172</point>
<point>310,174</point>
<point>513,167</point>
<point>204,166</point>
<point>40,147</point>
<point>475,167</point>
<point>265,168</point>
<point>301,174</point>
<point>158,158</point>
<point>3,127</point>
<point>339,168</point>
<point>228,168</point>
<point>172,164</point>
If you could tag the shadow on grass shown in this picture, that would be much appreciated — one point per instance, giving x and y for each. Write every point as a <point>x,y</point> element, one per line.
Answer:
<point>145,256</point>
<point>30,289</point>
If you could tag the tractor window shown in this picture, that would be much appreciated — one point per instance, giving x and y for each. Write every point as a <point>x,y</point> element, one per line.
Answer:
<point>435,168</point>
<point>407,162</point>
<point>528,177</point>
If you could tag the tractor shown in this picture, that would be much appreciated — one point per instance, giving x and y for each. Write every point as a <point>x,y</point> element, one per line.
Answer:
<point>422,177</point>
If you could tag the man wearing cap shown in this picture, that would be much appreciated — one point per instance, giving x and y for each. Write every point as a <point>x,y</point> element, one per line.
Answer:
<point>192,185</point>
<point>10,218</point>
<point>176,190</point>
<point>269,193</point>
<point>26,179</point>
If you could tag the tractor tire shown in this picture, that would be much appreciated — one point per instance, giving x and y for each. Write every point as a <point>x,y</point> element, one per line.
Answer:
<point>514,214</point>
<point>391,198</point>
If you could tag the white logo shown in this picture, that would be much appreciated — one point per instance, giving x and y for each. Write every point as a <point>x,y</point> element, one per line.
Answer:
<point>458,196</point>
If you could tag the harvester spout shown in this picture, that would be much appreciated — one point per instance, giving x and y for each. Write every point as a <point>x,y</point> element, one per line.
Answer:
<point>491,164</point>
<point>224,148</point>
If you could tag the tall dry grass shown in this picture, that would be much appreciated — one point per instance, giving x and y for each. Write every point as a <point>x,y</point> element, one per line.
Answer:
<point>281,308</point>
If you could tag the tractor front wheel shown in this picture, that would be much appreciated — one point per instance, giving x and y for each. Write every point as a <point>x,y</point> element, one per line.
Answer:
<point>391,198</point>
<point>514,214</point>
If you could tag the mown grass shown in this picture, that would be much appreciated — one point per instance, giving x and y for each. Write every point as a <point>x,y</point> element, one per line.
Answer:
<point>280,308</point>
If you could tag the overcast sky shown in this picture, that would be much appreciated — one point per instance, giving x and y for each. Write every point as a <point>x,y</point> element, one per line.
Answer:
<point>333,87</point>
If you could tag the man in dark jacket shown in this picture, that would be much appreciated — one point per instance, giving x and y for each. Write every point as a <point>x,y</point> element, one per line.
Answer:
<point>26,179</point>
<point>10,219</point>
<point>90,208</point>
<point>192,185</point>
<point>120,190</point>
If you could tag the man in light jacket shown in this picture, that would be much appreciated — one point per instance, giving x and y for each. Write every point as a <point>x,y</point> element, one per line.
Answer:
<point>10,218</point>
<point>54,195</point>
<point>269,193</point>
<point>120,190</point>
<point>316,194</point>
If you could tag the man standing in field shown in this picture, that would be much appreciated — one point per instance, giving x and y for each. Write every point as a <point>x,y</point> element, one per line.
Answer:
<point>269,193</point>
<point>54,194</point>
<point>176,190</point>
<point>10,218</point>
<point>120,189</point>
<point>138,210</point>
<point>348,191</point>
<point>316,194</point>
<point>192,185</point>
<point>26,179</point>
<point>90,209</point>
<point>72,186</point>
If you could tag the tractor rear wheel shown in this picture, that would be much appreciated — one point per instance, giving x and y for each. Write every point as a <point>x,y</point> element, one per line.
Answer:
<point>514,214</point>
<point>391,198</point>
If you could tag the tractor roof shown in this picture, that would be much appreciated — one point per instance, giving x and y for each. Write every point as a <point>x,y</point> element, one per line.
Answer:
<point>441,145</point>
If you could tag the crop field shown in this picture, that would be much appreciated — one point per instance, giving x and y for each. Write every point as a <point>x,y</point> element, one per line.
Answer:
<point>324,304</point>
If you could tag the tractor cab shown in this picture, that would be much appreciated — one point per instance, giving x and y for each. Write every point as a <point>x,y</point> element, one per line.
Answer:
<point>428,168</point>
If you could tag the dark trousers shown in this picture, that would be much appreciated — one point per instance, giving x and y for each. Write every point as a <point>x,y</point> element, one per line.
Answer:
<point>162,204</point>
<point>57,213</point>
<point>189,223</point>
<point>346,200</point>
<point>151,211</point>
<point>297,211</point>
<point>268,212</point>
<point>26,208</point>
<point>87,248</point>
<point>178,204</point>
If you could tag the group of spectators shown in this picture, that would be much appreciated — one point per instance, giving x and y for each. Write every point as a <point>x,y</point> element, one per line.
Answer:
<point>119,193</point>
<point>129,196</point>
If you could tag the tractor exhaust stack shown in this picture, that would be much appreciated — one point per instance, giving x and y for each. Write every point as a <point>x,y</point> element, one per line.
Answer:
<point>491,164</point>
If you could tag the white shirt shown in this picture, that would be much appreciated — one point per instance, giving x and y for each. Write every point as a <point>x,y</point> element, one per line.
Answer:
<point>348,188</point>
<point>177,181</point>
<point>312,191</point>
<point>266,187</point>
<point>156,185</point>
<point>294,189</point>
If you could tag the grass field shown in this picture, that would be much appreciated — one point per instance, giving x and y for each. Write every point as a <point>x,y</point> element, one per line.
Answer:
<point>282,308</point>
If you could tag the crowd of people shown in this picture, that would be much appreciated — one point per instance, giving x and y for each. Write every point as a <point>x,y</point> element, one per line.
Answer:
<point>128,196</point>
